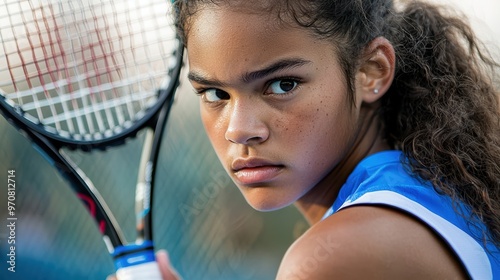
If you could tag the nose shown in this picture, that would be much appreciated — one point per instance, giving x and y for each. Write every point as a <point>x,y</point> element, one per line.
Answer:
<point>246,125</point>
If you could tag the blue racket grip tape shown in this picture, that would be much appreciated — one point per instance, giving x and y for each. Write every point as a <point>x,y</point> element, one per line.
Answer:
<point>136,261</point>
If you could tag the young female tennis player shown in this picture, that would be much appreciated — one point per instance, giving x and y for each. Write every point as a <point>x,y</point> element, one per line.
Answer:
<point>380,122</point>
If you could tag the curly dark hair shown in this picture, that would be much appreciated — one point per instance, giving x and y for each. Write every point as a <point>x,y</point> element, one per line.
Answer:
<point>442,109</point>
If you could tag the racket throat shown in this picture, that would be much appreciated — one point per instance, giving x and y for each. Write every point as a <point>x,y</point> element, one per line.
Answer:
<point>143,189</point>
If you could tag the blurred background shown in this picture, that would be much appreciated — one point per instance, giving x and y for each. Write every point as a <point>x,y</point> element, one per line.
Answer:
<point>201,218</point>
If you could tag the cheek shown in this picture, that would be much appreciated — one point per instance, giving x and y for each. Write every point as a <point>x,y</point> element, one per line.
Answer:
<point>310,118</point>
<point>317,133</point>
<point>213,127</point>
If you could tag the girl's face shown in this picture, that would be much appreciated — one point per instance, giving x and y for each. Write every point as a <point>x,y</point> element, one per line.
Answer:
<point>274,103</point>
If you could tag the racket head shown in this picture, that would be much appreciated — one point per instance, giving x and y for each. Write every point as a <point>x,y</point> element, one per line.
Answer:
<point>87,74</point>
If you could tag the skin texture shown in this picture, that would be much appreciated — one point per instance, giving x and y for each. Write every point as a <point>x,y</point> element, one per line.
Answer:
<point>288,142</point>
<point>369,243</point>
<point>300,147</point>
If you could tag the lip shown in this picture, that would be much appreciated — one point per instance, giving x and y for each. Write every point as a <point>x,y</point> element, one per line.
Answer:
<point>254,171</point>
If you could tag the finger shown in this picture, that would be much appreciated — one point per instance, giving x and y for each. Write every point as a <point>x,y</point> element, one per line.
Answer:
<point>111,277</point>
<point>166,269</point>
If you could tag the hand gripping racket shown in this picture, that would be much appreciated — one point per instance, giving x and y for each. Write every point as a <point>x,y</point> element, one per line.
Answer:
<point>87,75</point>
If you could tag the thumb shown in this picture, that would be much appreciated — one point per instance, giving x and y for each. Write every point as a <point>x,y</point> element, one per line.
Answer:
<point>166,269</point>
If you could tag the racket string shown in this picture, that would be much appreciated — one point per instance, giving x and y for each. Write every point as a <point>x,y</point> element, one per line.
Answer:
<point>94,57</point>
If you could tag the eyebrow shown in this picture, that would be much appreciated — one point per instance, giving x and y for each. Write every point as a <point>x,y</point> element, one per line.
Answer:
<point>277,66</point>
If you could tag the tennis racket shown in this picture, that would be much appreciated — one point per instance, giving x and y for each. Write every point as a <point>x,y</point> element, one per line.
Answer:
<point>87,75</point>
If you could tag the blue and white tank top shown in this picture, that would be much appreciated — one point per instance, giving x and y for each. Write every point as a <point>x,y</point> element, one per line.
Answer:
<point>381,179</point>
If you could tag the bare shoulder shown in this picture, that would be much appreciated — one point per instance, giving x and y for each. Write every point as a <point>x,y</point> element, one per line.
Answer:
<point>369,242</point>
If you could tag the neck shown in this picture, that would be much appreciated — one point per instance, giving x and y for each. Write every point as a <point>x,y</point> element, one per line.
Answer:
<point>314,204</point>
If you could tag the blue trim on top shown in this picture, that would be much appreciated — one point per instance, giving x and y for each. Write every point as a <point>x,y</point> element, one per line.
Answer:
<point>386,172</point>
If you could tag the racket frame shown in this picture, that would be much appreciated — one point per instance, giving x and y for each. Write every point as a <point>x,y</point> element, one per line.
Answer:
<point>51,150</point>
<point>50,145</point>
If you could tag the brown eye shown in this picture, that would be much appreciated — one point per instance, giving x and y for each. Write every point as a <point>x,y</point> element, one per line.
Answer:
<point>283,86</point>
<point>214,95</point>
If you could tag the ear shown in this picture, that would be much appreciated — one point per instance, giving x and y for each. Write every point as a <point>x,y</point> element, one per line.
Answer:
<point>376,71</point>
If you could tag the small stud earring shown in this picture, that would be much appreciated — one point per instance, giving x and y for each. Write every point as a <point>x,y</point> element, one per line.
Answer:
<point>375,91</point>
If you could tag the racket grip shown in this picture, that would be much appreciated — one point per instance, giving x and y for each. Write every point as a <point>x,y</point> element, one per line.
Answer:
<point>136,261</point>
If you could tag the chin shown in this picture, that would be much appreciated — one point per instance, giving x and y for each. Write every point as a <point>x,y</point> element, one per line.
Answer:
<point>266,203</point>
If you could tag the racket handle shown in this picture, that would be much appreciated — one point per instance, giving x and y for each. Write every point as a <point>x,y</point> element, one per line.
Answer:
<point>146,271</point>
<point>136,261</point>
